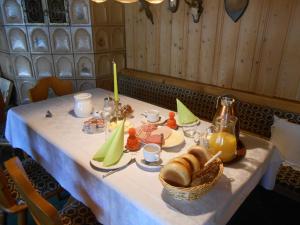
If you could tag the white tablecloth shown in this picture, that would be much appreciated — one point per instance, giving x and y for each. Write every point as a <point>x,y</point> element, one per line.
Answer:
<point>131,196</point>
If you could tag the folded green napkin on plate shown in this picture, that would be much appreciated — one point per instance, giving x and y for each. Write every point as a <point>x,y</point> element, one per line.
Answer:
<point>112,150</point>
<point>185,116</point>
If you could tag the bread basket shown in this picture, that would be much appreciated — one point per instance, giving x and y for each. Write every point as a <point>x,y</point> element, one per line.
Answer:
<point>195,192</point>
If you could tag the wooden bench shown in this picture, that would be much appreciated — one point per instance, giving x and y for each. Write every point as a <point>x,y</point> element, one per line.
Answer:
<point>254,118</point>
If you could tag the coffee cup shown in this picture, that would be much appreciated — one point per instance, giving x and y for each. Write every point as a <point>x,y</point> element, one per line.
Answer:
<point>152,115</point>
<point>151,152</point>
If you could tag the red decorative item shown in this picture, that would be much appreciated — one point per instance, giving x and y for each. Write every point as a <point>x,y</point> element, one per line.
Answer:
<point>171,121</point>
<point>133,143</point>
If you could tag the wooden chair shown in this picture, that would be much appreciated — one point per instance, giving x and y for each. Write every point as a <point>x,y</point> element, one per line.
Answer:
<point>10,199</point>
<point>43,213</point>
<point>41,90</point>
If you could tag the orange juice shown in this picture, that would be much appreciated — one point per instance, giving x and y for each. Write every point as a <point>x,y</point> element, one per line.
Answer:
<point>224,142</point>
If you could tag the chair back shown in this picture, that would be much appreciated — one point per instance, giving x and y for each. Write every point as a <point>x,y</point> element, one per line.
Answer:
<point>41,210</point>
<point>40,91</point>
<point>2,110</point>
<point>7,202</point>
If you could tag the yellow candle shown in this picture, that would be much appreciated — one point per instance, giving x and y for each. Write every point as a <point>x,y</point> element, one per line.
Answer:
<point>115,81</point>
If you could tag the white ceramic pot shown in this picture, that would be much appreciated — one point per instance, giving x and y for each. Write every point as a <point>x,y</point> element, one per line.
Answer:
<point>83,104</point>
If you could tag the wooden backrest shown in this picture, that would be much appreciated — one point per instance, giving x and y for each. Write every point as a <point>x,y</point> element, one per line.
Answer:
<point>40,91</point>
<point>42,211</point>
<point>2,109</point>
<point>7,202</point>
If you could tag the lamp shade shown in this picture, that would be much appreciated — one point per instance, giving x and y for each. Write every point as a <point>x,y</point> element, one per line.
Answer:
<point>155,1</point>
<point>98,1</point>
<point>126,1</point>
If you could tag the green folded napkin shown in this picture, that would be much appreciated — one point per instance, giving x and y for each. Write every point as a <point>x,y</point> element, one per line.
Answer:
<point>185,116</point>
<point>112,150</point>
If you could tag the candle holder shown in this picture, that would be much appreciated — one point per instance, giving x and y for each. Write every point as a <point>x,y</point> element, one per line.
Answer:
<point>117,113</point>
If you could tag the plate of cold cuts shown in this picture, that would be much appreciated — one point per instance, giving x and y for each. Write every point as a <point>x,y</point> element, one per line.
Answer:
<point>161,135</point>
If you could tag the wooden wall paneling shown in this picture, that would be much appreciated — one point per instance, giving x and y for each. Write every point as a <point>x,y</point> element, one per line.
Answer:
<point>208,39</point>
<point>274,40</point>
<point>289,73</point>
<point>229,46</point>
<point>116,13</point>
<point>165,33</point>
<point>129,31</point>
<point>218,44</point>
<point>99,13</point>
<point>152,39</point>
<point>177,47</point>
<point>192,50</point>
<point>140,54</point>
<point>246,46</point>
<point>265,14</point>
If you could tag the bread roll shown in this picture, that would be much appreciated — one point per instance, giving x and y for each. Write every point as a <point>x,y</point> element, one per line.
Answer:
<point>176,174</point>
<point>200,153</point>
<point>193,161</point>
<point>184,162</point>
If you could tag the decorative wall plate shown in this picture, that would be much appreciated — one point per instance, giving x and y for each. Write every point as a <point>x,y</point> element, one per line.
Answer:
<point>83,85</point>
<point>84,66</point>
<point>22,65</point>
<point>101,39</point>
<point>64,66</point>
<point>17,39</point>
<point>43,65</point>
<point>12,12</point>
<point>117,38</point>
<point>79,12</point>
<point>3,41</point>
<point>103,64</point>
<point>38,37</point>
<point>60,39</point>
<point>82,39</point>
<point>23,87</point>
<point>236,8</point>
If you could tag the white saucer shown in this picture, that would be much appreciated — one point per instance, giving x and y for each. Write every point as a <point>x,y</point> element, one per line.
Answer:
<point>161,120</point>
<point>125,159</point>
<point>139,159</point>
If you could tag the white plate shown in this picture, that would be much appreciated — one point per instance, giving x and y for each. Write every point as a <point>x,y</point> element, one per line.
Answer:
<point>175,139</point>
<point>187,124</point>
<point>161,120</point>
<point>125,159</point>
<point>140,163</point>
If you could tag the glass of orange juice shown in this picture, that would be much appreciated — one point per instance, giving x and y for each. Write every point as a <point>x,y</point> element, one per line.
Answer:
<point>221,137</point>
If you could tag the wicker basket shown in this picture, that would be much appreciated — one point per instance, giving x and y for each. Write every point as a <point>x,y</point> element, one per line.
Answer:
<point>195,192</point>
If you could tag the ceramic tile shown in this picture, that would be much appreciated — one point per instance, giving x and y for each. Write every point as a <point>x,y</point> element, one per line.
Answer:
<point>3,41</point>
<point>6,65</point>
<point>80,12</point>
<point>12,12</point>
<point>64,66</point>
<point>101,39</point>
<point>23,87</point>
<point>103,64</point>
<point>57,11</point>
<point>60,39</point>
<point>43,65</point>
<point>35,12</point>
<point>84,64</point>
<point>83,85</point>
<point>82,39</point>
<point>17,39</point>
<point>39,39</point>
<point>22,65</point>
